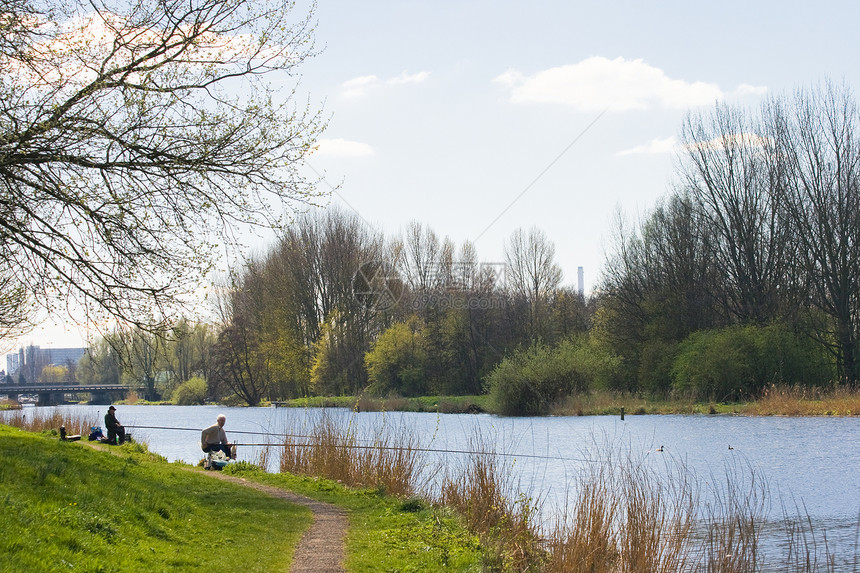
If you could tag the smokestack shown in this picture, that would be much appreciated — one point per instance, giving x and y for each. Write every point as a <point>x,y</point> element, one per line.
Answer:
<point>580,281</point>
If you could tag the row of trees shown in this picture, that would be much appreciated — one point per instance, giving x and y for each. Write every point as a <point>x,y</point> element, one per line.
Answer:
<point>763,228</point>
<point>746,274</point>
<point>336,308</point>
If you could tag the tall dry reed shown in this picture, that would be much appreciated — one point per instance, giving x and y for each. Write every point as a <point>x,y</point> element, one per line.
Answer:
<point>807,550</point>
<point>624,517</point>
<point>46,419</point>
<point>783,400</point>
<point>330,448</point>
<point>486,494</point>
<point>733,519</point>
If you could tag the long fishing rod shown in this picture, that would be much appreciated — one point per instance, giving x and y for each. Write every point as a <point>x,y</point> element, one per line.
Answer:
<point>360,447</point>
<point>231,431</point>
<point>432,450</point>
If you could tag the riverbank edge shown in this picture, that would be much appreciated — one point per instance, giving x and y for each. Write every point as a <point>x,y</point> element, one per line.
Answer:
<point>776,401</point>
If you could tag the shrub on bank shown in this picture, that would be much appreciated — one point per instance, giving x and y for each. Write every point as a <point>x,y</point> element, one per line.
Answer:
<point>531,380</point>
<point>191,392</point>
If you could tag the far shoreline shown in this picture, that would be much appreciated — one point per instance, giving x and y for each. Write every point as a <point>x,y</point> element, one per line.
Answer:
<point>785,401</point>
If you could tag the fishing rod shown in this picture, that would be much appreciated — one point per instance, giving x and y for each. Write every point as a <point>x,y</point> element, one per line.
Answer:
<point>431,450</point>
<point>361,447</point>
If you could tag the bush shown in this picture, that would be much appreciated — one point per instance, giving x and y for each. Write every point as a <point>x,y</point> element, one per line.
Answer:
<point>531,380</point>
<point>190,392</point>
<point>739,361</point>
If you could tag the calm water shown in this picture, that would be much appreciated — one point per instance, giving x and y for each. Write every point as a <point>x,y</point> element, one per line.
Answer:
<point>808,463</point>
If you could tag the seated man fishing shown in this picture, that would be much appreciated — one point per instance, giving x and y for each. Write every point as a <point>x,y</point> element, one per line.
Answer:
<point>115,430</point>
<point>214,439</point>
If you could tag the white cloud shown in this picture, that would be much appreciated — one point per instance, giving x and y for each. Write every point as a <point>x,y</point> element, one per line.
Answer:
<point>656,146</point>
<point>598,82</point>
<point>405,78</point>
<point>362,85</point>
<point>339,147</point>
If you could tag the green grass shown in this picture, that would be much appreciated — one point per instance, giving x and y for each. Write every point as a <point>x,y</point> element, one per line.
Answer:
<point>67,507</point>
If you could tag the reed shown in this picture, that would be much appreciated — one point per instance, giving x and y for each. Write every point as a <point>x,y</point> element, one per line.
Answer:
<point>47,419</point>
<point>373,404</point>
<point>585,540</point>
<point>625,518</point>
<point>332,449</point>
<point>607,402</point>
<point>733,520</point>
<point>785,400</point>
<point>806,549</point>
<point>6,404</point>
<point>484,492</point>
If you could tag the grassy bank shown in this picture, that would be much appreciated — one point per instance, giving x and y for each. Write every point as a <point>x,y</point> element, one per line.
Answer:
<point>388,533</point>
<point>69,507</point>
<point>774,401</point>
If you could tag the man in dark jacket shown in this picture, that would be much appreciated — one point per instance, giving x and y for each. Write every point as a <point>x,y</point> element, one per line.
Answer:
<point>114,428</point>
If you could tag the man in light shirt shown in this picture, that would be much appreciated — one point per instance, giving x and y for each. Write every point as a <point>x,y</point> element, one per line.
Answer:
<point>214,439</point>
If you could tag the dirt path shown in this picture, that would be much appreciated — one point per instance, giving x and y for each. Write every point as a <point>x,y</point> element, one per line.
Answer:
<point>321,549</point>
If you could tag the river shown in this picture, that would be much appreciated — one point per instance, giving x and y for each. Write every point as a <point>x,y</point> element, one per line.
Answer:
<point>809,464</point>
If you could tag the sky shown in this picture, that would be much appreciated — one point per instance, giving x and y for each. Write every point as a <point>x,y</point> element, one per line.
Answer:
<point>478,117</point>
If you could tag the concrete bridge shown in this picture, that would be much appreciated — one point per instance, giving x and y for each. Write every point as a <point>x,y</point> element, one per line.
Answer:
<point>52,394</point>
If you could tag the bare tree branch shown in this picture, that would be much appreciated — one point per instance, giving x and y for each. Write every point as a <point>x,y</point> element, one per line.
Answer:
<point>135,137</point>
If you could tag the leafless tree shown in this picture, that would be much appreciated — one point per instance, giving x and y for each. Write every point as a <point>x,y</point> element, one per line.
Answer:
<point>532,273</point>
<point>188,350</point>
<point>285,301</point>
<point>426,262</point>
<point>136,137</point>
<point>658,286</point>
<point>240,364</point>
<point>143,354</point>
<point>817,134</point>
<point>731,176</point>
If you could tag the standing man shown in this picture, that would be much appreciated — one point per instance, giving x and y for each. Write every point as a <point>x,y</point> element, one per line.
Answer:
<point>214,439</point>
<point>115,431</point>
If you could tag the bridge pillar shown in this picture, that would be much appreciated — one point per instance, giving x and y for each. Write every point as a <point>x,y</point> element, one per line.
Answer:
<point>99,398</point>
<point>46,399</point>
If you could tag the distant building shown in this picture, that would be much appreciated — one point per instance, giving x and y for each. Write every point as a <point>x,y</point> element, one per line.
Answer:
<point>30,360</point>
<point>12,363</point>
